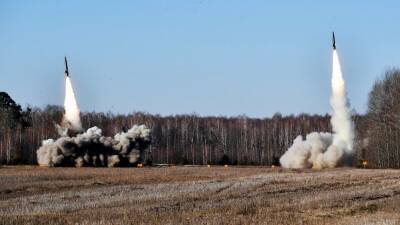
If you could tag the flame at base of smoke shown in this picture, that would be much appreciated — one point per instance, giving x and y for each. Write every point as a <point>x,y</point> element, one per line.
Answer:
<point>91,148</point>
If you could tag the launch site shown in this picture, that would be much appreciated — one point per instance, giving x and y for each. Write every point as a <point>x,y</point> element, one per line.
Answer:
<point>199,112</point>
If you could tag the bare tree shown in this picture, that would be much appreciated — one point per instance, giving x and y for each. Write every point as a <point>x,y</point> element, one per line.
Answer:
<point>382,124</point>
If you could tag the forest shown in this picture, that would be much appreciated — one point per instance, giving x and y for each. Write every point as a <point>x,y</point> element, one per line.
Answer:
<point>192,139</point>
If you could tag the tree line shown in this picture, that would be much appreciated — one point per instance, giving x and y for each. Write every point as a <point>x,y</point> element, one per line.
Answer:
<point>380,141</point>
<point>178,139</point>
<point>193,139</point>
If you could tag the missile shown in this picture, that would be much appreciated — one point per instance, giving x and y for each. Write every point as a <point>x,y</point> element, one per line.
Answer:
<point>333,41</point>
<point>66,67</point>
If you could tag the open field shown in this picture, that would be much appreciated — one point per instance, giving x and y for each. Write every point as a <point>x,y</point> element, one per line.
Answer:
<point>198,195</point>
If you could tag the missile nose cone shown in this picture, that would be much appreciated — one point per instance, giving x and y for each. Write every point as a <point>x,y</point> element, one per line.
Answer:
<point>66,67</point>
<point>333,41</point>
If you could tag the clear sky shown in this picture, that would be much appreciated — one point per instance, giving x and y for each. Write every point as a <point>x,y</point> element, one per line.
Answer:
<point>212,57</point>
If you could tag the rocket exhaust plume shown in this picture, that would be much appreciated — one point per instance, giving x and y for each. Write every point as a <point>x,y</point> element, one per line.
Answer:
<point>72,118</point>
<point>326,150</point>
<point>71,121</point>
<point>90,148</point>
<point>342,125</point>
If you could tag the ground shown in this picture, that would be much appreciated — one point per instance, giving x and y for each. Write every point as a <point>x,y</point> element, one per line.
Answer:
<point>198,195</point>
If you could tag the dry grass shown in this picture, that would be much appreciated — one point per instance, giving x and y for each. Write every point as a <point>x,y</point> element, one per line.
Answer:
<point>198,195</point>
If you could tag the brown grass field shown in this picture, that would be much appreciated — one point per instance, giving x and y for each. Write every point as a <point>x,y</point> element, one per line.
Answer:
<point>198,195</point>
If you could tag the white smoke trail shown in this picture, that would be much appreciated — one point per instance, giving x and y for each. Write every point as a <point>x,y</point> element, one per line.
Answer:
<point>71,108</point>
<point>326,150</point>
<point>342,125</point>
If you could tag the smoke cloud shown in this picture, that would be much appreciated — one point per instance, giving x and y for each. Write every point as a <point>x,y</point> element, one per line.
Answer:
<point>78,148</point>
<point>91,148</point>
<point>326,150</point>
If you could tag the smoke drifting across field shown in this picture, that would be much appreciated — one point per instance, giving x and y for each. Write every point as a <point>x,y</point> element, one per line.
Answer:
<point>326,150</point>
<point>91,148</point>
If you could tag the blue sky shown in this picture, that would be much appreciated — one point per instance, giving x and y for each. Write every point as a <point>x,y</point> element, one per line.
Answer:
<point>211,57</point>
